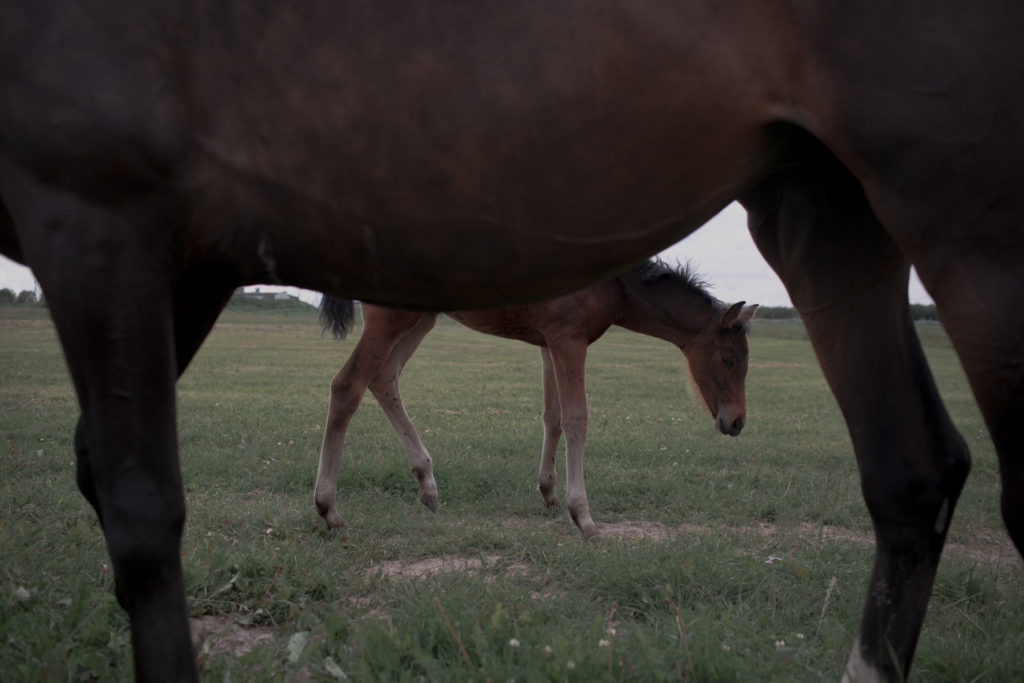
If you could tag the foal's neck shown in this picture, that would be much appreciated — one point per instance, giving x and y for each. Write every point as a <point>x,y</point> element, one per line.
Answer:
<point>670,307</point>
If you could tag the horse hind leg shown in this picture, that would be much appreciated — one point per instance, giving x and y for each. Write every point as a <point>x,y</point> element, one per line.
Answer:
<point>849,282</point>
<point>547,477</point>
<point>385,389</point>
<point>382,328</point>
<point>568,357</point>
<point>987,331</point>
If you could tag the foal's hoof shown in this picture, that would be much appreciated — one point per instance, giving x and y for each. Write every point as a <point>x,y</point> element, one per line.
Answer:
<point>334,520</point>
<point>585,524</point>
<point>197,633</point>
<point>430,500</point>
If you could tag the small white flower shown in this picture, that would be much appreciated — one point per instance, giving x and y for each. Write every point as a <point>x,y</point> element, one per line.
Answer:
<point>603,643</point>
<point>570,664</point>
<point>548,650</point>
<point>513,642</point>
<point>772,559</point>
<point>725,646</point>
<point>779,644</point>
<point>799,636</point>
<point>611,631</point>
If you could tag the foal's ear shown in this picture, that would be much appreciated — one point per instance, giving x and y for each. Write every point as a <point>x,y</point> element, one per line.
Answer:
<point>738,317</point>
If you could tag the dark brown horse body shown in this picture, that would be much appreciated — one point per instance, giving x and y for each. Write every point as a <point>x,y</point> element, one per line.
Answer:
<point>651,299</point>
<point>154,155</point>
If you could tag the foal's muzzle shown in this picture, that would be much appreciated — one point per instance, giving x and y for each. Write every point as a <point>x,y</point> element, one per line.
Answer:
<point>732,427</point>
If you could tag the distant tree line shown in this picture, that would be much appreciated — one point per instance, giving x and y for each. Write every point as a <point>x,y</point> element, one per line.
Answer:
<point>917,311</point>
<point>25,296</point>
<point>243,301</point>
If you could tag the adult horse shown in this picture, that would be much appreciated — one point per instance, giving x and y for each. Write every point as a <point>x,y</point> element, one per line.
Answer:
<point>446,155</point>
<point>652,299</point>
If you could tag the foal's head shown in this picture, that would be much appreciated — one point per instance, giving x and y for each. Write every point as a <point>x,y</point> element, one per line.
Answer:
<point>718,363</point>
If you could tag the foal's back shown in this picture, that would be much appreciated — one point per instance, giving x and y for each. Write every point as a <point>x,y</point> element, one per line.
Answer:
<point>586,314</point>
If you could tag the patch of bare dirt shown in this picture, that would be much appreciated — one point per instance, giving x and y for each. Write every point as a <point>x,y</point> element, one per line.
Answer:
<point>633,529</point>
<point>371,608</point>
<point>395,569</point>
<point>218,634</point>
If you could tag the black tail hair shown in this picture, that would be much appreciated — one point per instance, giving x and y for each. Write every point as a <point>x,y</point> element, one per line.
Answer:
<point>336,315</point>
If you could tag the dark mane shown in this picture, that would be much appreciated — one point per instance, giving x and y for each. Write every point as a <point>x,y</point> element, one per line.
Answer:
<point>657,271</point>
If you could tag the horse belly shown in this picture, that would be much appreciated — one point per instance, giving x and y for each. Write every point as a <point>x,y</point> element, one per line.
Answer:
<point>433,158</point>
<point>519,323</point>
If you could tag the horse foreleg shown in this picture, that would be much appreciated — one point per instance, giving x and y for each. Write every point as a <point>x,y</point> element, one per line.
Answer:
<point>385,389</point>
<point>115,321</point>
<point>197,303</point>
<point>552,419</point>
<point>849,282</point>
<point>568,357</point>
<point>382,328</point>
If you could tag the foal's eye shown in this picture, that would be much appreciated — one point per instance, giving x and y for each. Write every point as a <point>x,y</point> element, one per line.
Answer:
<point>727,361</point>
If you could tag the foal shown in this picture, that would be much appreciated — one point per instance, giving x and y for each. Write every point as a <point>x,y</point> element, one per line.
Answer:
<point>652,299</point>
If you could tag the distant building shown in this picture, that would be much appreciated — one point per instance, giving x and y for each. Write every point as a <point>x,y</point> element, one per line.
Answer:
<point>257,295</point>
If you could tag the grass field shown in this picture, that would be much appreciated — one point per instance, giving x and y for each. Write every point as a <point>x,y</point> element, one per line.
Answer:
<point>723,559</point>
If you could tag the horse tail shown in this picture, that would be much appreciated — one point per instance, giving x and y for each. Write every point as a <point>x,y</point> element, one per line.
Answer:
<point>336,315</point>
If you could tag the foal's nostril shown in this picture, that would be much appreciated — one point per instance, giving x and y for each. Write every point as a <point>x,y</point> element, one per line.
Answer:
<point>731,428</point>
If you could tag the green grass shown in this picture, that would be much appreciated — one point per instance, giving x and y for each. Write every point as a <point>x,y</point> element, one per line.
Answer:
<point>759,542</point>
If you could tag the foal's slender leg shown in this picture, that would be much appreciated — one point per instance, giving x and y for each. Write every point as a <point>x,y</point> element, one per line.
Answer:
<point>569,356</point>
<point>552,418</point>
<point>385,389</point>
<point>115,319</point>
<point>849,282</point>
<point>382,328</point>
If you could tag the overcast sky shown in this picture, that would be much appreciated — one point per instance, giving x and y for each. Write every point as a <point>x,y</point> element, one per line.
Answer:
<point>721,251</point>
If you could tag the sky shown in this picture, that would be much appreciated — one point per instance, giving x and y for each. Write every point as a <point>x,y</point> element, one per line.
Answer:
<point>721,251</point>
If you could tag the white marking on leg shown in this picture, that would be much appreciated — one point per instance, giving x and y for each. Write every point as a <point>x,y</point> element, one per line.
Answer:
<point>858,670</point>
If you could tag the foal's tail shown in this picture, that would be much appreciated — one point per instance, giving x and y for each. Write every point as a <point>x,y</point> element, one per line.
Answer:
<point>336,315</point>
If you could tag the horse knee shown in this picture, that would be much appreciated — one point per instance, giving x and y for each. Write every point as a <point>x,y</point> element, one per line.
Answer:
<point>345,399</point>
<point>911,508</point>
<point>341,388</point>
<point>144,543</point>
<point>83,469</point>
<point>574,425</point>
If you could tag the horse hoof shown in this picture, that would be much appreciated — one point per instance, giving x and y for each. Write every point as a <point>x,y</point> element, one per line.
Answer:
<point>553,503</point>
<point>334,520</point>
<point>430,501</point>
<point>197,633</point>
<point>585,524</point>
